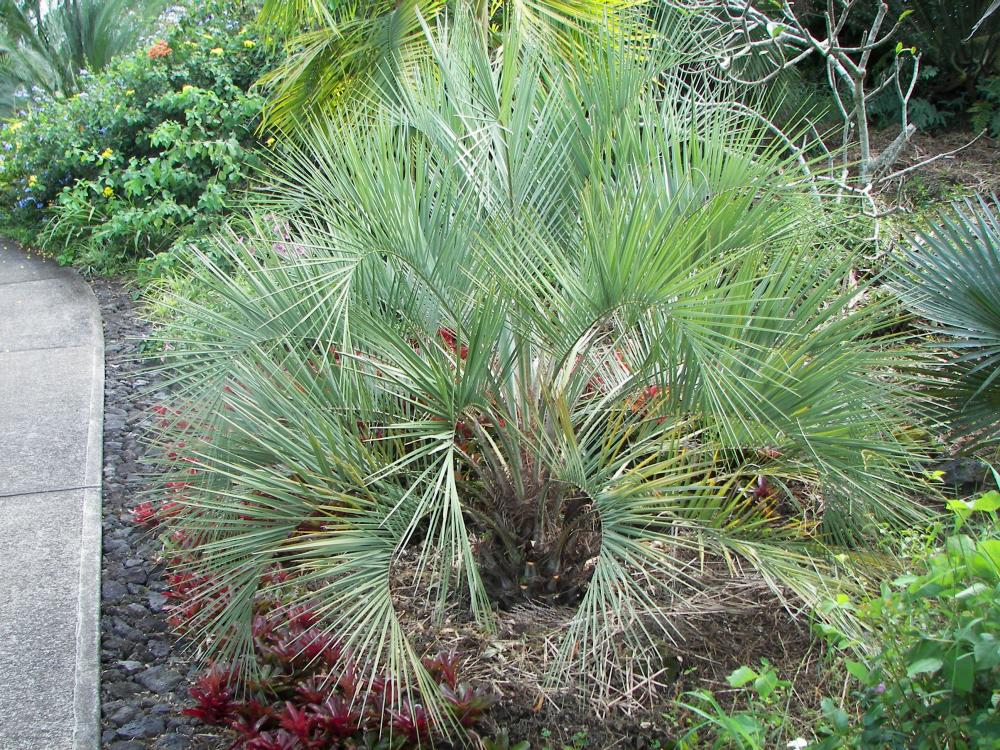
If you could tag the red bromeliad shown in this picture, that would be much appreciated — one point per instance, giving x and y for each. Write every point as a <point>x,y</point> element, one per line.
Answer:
<point>310,696</point>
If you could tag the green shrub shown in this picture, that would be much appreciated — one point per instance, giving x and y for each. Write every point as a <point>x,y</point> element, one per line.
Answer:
<point>761,722</point>
<point>149,151</point>
<point>934,681</point>
<point>985,112</point>
<point>941,30</point>
<point>47,47</point>
<point>928,673</point>
<point>552,335</point>
<point>140,206</point>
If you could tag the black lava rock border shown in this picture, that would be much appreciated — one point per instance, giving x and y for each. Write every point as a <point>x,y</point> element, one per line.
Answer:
<point>143,681</point>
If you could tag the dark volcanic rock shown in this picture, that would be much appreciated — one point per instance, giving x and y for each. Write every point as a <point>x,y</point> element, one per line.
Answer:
<point>172,742</point>
<point>142,685</point>
<point>158,680</point>
<point>123,715</point>
<point>964,474</point>
<point>143,726</point>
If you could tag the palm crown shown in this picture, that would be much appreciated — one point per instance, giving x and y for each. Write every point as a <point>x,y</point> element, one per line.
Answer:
<point>560,332</point>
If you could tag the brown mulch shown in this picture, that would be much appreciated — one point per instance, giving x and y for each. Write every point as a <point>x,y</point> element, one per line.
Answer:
<point>732,623</point>
<point>974,169</point>
<point>714,646</point>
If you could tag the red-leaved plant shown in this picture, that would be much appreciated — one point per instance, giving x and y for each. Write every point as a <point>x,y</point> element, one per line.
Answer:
<point>310,695</point>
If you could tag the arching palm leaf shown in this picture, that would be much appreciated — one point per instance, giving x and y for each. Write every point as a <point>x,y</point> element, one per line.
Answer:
<point>48,47</point>
<point>952,279</point>
<point>338,48</point>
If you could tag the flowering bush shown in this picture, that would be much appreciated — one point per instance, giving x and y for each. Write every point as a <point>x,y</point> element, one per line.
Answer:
<point>148,152</point>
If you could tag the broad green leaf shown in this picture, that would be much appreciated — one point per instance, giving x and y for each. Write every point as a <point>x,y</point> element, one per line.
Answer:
<point>974,590</point>
<point>764,684</point>
<point>836,715</point>
<point>987,651</point>
<point>928,665</point>
<point>741,676</point>
<point>960,672</point>
<point>987,502</point>
<point>990,548</point>
<point>857,670</point>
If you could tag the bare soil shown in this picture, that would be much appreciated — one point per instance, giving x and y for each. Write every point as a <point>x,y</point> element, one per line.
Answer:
<point>731,623</point>
<point>975,168</point>
<point>714,646</point>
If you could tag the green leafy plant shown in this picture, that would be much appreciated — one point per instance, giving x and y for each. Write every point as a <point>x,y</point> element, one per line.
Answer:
<point>951,279</point>
<point>501,741</point>
<point>339,49</point>
<point>578,741</point>
<point>534,333</point>
<point>934,681</point>
<point>760,722</point>
<point>936,28</point>
<point>138,206</point>
<point>985,111</point>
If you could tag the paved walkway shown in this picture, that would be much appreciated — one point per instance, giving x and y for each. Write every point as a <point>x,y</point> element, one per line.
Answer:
<point>51,406</point>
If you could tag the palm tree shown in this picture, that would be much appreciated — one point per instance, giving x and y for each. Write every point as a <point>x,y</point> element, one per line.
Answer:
<point>338,47</point>
<point>47,46</point>
<point>951,279</point>
<point>556,334</point>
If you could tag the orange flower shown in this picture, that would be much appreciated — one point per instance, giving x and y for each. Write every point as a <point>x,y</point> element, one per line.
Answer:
<point>158,50</point>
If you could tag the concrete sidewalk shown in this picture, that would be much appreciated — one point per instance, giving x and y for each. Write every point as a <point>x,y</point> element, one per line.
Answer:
<point>51,407</point>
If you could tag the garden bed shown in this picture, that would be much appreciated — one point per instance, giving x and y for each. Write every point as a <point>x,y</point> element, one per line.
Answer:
<point>146,672</point>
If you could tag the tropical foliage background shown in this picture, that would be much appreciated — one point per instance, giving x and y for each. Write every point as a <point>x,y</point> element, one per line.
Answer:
<point>473,311</point>
<point>339,48</point>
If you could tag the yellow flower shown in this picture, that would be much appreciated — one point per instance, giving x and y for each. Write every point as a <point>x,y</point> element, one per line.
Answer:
<point>270,141</point>
<point>16,125</point>
<point>129,92</point>
<point>32,180</point>
<point>217,51</point>
<point>108,192</point>
<point>186,87</point>
<point>107,153</point>
<point>249,43</point>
